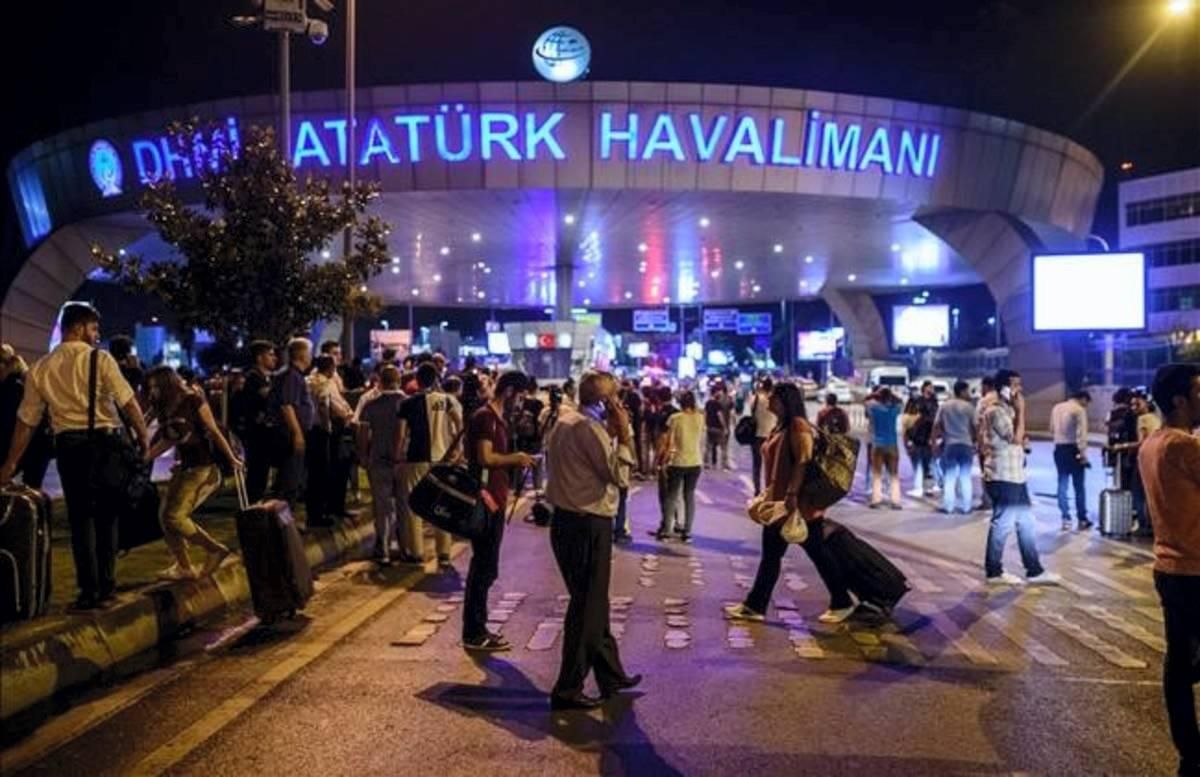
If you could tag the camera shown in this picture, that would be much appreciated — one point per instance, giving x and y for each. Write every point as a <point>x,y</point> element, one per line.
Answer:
<point>318,31</point>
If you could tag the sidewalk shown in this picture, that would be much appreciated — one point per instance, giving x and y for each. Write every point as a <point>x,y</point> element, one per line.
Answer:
<point>60,651</point>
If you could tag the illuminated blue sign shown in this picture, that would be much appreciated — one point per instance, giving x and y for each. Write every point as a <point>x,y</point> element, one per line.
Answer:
<point>457,133</point>
<point>754,323</point>
<point>105,167</point>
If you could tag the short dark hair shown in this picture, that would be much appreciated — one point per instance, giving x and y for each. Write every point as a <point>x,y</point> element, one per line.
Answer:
<point>767,385</point>
<point>427,375</point>
<point>986,384</point>
<point>1173,380</point>
<point>78,314</point>
<point>259,347</point>
<point>831,399</point>
<point>452,384</point>
<point>120,346</point>
<point>329,345</point>
<point>1005,378</point>
<point>961,387</point>
<point>389,354</point>
<point>664,394</point>
<point>687,400</point>
<point>514,379</point>
<point>1122,396</point>
<point>926,384</point>
<point>1082,395</point>
<point>323,362</point>
<point>423,358</point>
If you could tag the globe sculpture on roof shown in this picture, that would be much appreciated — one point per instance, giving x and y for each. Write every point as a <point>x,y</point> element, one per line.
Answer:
<point>562,54</point>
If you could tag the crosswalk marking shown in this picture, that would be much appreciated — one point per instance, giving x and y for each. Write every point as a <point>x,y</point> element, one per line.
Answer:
<point>955,637</point>
<point>1039,652</point>
<point>1111,653</point>
<point>1108,582</point>
<point>1131,630</point>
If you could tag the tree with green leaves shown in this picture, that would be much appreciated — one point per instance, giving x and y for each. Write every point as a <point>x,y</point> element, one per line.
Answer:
<point>244,265</point>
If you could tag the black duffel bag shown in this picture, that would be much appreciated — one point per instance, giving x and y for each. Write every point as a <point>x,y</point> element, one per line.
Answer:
<point>448,497</point>
<point>118,467</point>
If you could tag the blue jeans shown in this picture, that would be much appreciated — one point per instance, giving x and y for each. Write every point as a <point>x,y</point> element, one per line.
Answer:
<point>1070,471</point>
<point>1010,506</point>
<point>956,464</point>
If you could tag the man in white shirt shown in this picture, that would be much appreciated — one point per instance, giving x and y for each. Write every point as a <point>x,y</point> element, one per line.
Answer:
<point>60,382</point>
<point>1069,424</point>
<point>764,423</point>
<point>586,451</point>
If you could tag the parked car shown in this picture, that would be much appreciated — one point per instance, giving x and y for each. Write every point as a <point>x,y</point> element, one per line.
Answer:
<point>841,389</point>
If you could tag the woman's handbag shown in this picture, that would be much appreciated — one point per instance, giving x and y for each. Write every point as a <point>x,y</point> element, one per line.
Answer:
<point>118,467</point>
<point>794,528</point>
<point>746,430</point>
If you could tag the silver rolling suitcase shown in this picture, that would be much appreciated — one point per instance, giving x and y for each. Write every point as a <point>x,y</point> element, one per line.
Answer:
<point>1116,507</point>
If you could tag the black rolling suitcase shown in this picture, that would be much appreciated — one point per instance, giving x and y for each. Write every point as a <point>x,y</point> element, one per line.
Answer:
<point>273,551</point>
<point>868,574</point>
<point>24,553</point>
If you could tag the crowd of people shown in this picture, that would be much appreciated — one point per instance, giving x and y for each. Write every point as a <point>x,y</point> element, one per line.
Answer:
<point>301,431</point>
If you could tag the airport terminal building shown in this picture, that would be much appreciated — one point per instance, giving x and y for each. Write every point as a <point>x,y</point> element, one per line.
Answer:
<point>603,194</point>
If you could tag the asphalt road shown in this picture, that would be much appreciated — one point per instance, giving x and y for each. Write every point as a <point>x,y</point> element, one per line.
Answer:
<point>963,681</point>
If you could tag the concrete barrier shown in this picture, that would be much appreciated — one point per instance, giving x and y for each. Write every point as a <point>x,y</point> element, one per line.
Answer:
<point>50,655</point>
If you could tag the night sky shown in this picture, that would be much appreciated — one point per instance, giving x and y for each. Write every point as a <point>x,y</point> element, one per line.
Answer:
<point>1039,61</point>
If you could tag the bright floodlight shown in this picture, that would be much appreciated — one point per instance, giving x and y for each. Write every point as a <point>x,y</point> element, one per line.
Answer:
<point>1179,7</point>
<point>569,219</point>
<point>1089,292</point>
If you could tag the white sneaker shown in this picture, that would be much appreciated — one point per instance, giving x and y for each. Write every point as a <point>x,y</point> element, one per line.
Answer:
<point>1007,578</point>
<point>836,616</point>
<point>740,612</point>
<point>1046,578</point>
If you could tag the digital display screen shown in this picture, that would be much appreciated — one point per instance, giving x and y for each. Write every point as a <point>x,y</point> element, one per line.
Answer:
<point>498,343</point>
<point>819,344</point>
<point>1089,292</point>
<point>920,326</point>
<point>638,350</point>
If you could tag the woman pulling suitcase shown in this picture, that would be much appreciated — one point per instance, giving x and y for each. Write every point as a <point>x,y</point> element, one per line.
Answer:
<point>786,455</point>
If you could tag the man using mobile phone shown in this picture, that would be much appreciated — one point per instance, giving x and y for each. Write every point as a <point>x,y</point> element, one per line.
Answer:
<point>488,449</point>
<point>586,452</point>
<point>1002,443</point>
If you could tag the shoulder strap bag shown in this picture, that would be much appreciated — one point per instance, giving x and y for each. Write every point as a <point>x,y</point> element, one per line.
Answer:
<point>117,464</point>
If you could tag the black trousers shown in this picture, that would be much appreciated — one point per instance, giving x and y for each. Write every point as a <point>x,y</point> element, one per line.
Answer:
<point>774,546</point>
<point>1180,596</point>
<point>319,461</point>
<point>582,547</point>
<point>93,516</point>
<point>482,573</point>
<point>757,459</point>
<point>257,443</point>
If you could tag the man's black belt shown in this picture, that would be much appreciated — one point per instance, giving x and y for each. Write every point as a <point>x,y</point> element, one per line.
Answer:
<point>83,434</point>
<point>572,515</point>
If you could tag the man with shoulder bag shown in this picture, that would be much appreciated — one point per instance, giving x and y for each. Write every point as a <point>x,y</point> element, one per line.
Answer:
<point>83,388</point>
<point>490,457</point>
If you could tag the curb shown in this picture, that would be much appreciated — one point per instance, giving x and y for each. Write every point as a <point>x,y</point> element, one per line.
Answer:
<point>50,655</point>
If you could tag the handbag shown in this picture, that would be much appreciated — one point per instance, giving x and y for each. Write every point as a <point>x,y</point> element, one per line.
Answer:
<point>746,430</point>
<point>765,512</point>
<point>117,465</point>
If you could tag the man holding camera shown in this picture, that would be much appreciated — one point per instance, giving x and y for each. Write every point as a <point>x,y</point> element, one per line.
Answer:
<point>586,452</point>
